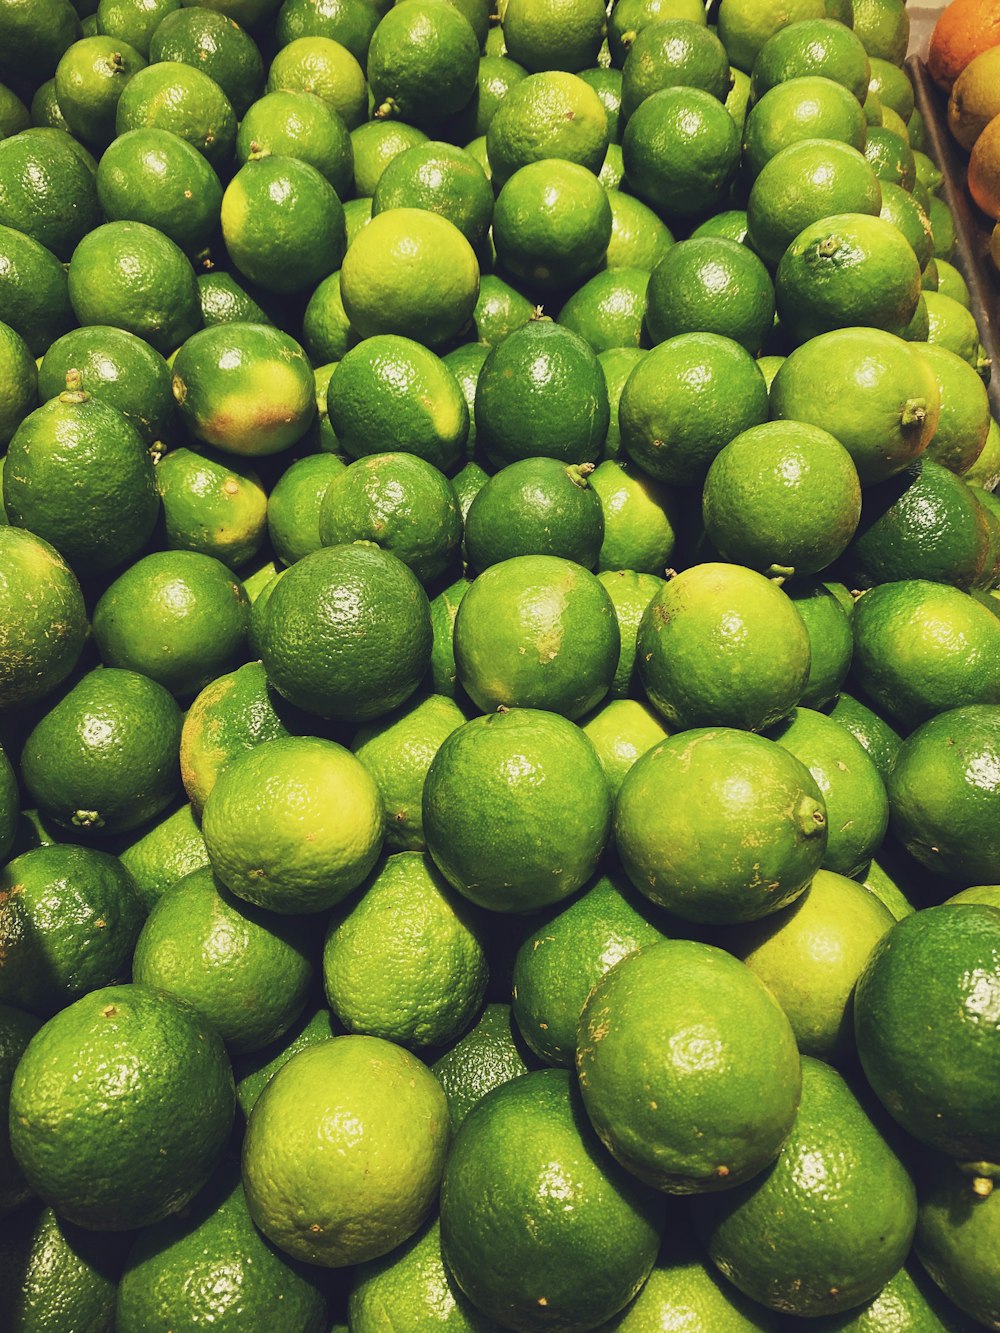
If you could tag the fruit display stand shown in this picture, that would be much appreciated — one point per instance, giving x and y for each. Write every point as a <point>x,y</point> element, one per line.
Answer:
<point>972,227</point>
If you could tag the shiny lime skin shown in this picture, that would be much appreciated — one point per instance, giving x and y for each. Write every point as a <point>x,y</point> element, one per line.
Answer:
<point>211,41</point>
<point>34,297</point>
<point>46,192</point>
<point>42,614</point>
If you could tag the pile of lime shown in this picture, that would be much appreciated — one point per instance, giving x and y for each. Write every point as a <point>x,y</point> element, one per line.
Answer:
<point>499,674</point>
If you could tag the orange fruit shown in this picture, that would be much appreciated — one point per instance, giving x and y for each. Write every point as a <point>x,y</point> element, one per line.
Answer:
<point>964,29</point>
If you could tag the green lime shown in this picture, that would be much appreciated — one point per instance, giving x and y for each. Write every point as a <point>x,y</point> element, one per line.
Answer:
<point>629,17</point>
<point>16,1030</point>
<point>282,867</point>
<point>541,393</point>
<point>639,238</point>
<point>212,505</point>
<point>808,107</point>
<point>497,75</point>
<point>410,272</point>
<point>283,224</point>
<point>803,183</point>
<point>443,673</point>
<point>90,78</point>
<point>637,1068</point>
<point>548,115</point>
<point>831,642</point>
<point>891,157</point>
<point>406,961</point>
<point>43,620</point>
<point>922,524</point>
<point>560,962</point>
<point>684,401</point>
<point>441,179</point>
<point>883,26</point>
<point>79,475</point>
<point>423,63</point>
<point>212,1265</point>
<point>516,809</point>
<point>225,301</point>
<point>247,971</point>
<point>952,283</point>
<point>919,1032</point>
<point>402,504</point>
<point>129,1170</point>
<point>554,34</point>
<point>178,617</point>
<point>830,1223</point>
<point>34,297</point>
<point>293,507</point>
<point>47,191</point>
<point>210,40</point>
<point>254,1071</point>
<point>490,1054</point>
<point>299,125</point>
<point>673,53</point>
<point>390,388</point>
<point>523,1262</point>
<point>857,809</point>
<point>923,647</point>
<point>105,756</point>
<point>133,22</point>
<point>538,632</point>
<point>782,496</point>
<point>681,150</point>
<point>622,731</point>
<point>375,144</point>
<point>384,1115</point>
<point>640,519</point>
<point>630,592</point>
<point>942,791</point>
<point>537,506</point>
<point>69,918</point>
<point>869,729</point>
<point>749,23</point>
<point>617,364</point>
<point>19,378</point>
<point>346,633</point>
<point>499,311</point>
<point>822,47</point>
<point>956,1240</point>
<point>244,388</point>
<point>943,227</point>
<point>32,39</point>
<point>877,391</point>
<point>171,848</point>
<point>985,471</point>
<point>118,368</point>
<point>173,96</point>
<point>325,68</point>
<point>552,225</point>
<point>965,409</point>
<point>133,277</point>
<point>708,867</point>
<point>711,285</point>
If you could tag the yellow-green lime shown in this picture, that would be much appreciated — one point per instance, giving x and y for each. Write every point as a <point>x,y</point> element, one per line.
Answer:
<point>609,310</point>
<point>639,237</point>
<point>212,504</point>
<point>43,619</point>
<point>748,25</point>
<point>710,284</point>
<point>809,107</point>
<point>965,408</point>
<point>622,731</point>
<point>215,43</point>
<point>442,179</point>
<point>671,53</point>
<point>554,34</point>
<point>293,507</point>
<point>813,46</point>
<point>300,125</point>
<point>90,78</point>
<point>185,100</point>
<point>681,150</point>
<point>375,144</point>
<point>831,643</point>
<point>170,848</point>
<point>325,68</point>
<point>630,592</point>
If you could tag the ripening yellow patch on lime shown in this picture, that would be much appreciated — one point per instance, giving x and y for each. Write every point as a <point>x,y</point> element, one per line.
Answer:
<point>256,412</point>
<point>235,208</point>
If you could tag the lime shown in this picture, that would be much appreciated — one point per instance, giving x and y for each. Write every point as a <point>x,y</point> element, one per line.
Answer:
<point>406,961</point>
<point>809,107</point>
<point>554,34</point>
<point>77,474</point>
<point>560,962</point>
<point>346,633</point>
<point>299,125</point>
<point>349,22</point>
<point>392,389</point>
<point>326,331</point>
<point>497,75</point>
<point>16,1030</point>
<point>630,592</point>
<point>521,1261</point>
<point>34,300</point>
<point>537,506</point>
<point>490,1054</point>
<point>831,642</point>
<point>711,285</point>
<point>246,971</point>
<point>985,471</point>
<point>385,1117</point>
<point>803,183</point>
<point>169,849</point>
<point>375,144</point>
<point>325,68</point>
<point>883,26</point>
<point>708,867</point>
<point>133,277</point>
<point>516,809</point>
<point>69,917</point>
<point>879,393</point>
<point>244,388</point>
<point>942,794</point>
<point>139,1164</point>
<point>641,518</point>
<point>90,78</point>
<point>639,1062</point>
<point>223,300</point>
<point>811,47</point>
<point>782,496</point>
<point>629,17</point>
<point>965,409</point>
<point>684,401</point>
<point>890,156</point>
<point>423,63</point>
<point>838,1197</point>
<point>181,98</point>
<point>410,272</point>
<point>293,507</point>
<point>541,392</point>
<point>673,53</point>
<point>32,40</point>
<point>538,632</point>
<point>59,1275</point>
<point>441,179</point>
<point>956,1240</point>
<point>622,731</point>
<point>212,505</point>
<point>118,368</point>
<point>499,310</point>
<point>42,614</point>
<point>283,224</point>
<point>210,40</point>
<point>681,150</point>
<point>399,502</point>
<point>923,647</point>
<point>749,23</point>
<point>47,191</point>
<point>639,238</point>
